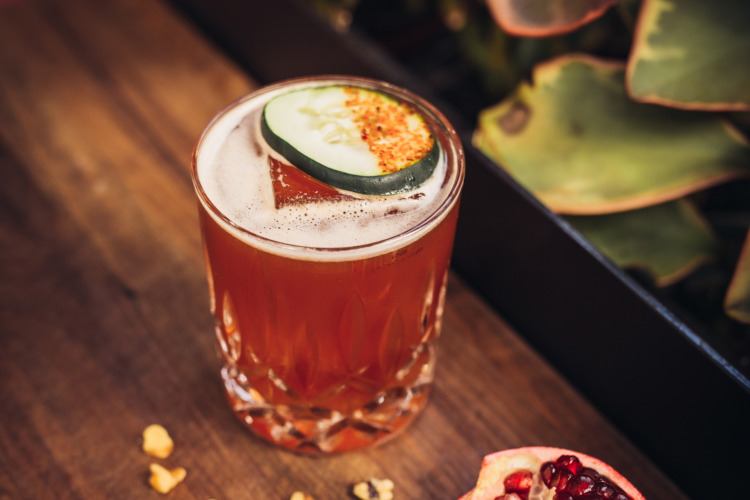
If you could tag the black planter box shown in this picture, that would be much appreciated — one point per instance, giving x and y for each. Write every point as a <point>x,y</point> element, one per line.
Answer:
<point>681,400</point>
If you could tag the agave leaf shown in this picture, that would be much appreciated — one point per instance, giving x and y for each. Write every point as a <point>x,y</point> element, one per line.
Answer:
<point>737,299</point>
<point>536,18</point>
<point>668,241</point>
<point>577,141</point>
<point>692,54</point>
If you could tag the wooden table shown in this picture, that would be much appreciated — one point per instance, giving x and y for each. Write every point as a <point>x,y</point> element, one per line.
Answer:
<point>104,323</point>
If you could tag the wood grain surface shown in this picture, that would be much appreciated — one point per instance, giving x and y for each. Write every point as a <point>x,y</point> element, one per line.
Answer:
<point>104,315</point>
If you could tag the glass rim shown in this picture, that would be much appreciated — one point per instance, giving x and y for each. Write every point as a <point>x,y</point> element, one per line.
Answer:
<point>454,155</point>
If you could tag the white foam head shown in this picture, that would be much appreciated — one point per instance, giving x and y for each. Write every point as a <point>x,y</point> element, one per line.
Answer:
<point>233,180</point>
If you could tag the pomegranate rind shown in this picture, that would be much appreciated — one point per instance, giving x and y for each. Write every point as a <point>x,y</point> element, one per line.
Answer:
<point>496,466</point>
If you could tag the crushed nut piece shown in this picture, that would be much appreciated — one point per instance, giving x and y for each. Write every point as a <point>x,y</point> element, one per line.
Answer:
<point>156,441</point>
<point>164,480</point>
<point>298,495</point>
<point>374,489</point>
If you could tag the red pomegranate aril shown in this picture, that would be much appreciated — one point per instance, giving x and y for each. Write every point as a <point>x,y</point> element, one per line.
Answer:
<point>519,481</point>
<point>591,473</point>
<point>569,462</point>
<point>562,495</point>
<point>561,479</point>
<point>605,490</point>
<point>548,470</point>
<point>621,496</point>
<point>580,485</point>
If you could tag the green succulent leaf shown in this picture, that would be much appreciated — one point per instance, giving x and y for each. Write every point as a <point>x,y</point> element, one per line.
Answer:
<point>737,299</point>
<point>668,241</point>
<point>692,54</point>
<point>537,18</point>
<point>578,142</point>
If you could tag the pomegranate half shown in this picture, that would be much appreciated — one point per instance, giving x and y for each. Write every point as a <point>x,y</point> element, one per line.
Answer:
<point>544,473</point>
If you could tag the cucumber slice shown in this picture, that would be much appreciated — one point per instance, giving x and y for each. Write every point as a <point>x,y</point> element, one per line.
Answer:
<point>352,138</point>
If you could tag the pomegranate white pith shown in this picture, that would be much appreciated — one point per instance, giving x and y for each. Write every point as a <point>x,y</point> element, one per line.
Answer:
<point>544,473</point>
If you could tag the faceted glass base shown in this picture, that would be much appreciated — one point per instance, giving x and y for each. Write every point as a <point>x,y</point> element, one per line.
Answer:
<point>317,430</point>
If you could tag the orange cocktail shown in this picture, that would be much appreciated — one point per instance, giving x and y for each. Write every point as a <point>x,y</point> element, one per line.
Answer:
<point>327,302</point>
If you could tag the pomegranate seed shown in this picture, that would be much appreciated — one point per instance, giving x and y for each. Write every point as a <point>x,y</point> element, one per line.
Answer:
<point>519,481</point>
<point>562,495</point>
<point>548,470</point>
<point>621,496</point>
<point>569,462</point>
<point>581,485</point>
<point>591,473</point>
<point>588,496</point>
<point>605,490</point>
<point>561,479</point>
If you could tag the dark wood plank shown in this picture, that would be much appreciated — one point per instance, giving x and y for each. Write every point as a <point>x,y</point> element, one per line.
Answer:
<point>103,303</point>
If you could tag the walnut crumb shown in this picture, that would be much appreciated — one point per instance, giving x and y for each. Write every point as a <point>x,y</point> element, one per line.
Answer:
<point>164,480</point>
<point>156,441</point>
<point>298,495</point>
<point>374,489</point>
